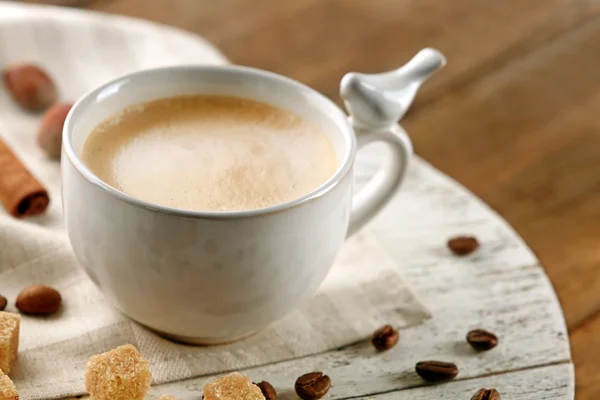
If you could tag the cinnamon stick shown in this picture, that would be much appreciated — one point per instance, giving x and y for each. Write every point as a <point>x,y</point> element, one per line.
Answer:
<point>20,192</point>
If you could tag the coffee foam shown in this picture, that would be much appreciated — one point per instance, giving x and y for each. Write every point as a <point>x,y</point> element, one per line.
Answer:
<point>210,153</point>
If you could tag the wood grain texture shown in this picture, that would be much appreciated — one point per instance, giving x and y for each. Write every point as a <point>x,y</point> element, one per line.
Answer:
<point>513,116</point>
<point>538,384</point>
<point>542,383</point>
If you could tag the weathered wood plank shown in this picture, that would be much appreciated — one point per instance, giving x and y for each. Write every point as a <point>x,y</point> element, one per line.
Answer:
<point>551,382</point>
<point>543,383</point>
<point>548,382</point>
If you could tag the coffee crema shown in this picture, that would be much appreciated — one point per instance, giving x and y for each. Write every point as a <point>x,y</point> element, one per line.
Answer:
<point>210,153</point>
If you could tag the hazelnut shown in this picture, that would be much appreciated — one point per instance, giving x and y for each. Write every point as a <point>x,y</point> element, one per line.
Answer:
<point>38,299</point>
<point>30,86</point>
<point>50,133</point>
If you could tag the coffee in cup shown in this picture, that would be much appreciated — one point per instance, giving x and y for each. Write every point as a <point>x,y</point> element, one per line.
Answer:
<point>210,153</point>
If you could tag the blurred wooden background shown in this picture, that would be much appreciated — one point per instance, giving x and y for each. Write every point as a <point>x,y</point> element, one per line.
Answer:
<point>515,116</point>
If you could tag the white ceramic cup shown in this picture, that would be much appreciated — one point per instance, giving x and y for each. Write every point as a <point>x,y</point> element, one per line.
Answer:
<point>212,277</point>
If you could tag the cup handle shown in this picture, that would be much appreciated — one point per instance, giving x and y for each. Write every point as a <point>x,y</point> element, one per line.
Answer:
<point>376,102</point>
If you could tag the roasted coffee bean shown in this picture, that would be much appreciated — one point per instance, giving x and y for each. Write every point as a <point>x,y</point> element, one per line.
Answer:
<point>267,390</point>
<point>3,302</point>
<point>436,371</point>
<point>312,386</point>
<point>482,340</point>
<point>385,338</point>
<point>463,245</point>
<point>486,394</point>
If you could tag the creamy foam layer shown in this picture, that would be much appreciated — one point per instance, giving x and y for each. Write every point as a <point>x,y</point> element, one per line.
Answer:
<point>210,153</point>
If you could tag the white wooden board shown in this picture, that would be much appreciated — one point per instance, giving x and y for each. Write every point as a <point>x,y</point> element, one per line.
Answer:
<point>501,287</point>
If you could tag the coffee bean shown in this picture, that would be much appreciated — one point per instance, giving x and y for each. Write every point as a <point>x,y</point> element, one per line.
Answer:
<point>385,338</point>
<point>486,394</point>
<point>312,386</point>
<point>482,340</point>
<point>267,390</point>
<point>463,245</point>
<point>3,302</point>
<point>436,371</point>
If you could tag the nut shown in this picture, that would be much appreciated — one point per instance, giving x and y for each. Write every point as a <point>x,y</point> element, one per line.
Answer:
<point>38,299</point>
<point>30,86</point>
<point>3,302</point>
<point>50,133</point>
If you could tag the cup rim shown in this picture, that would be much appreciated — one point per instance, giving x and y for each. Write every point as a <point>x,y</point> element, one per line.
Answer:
<point>88,99</point>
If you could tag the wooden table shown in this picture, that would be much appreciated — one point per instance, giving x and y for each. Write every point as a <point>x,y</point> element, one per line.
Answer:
<point>512,117</point>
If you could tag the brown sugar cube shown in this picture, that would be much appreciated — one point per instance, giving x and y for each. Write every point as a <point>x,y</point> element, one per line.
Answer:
<point>232,387</point>
<point>8,391</point>
<point>167,397</point>
<point>9,340</point>
<point>119,374</point>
